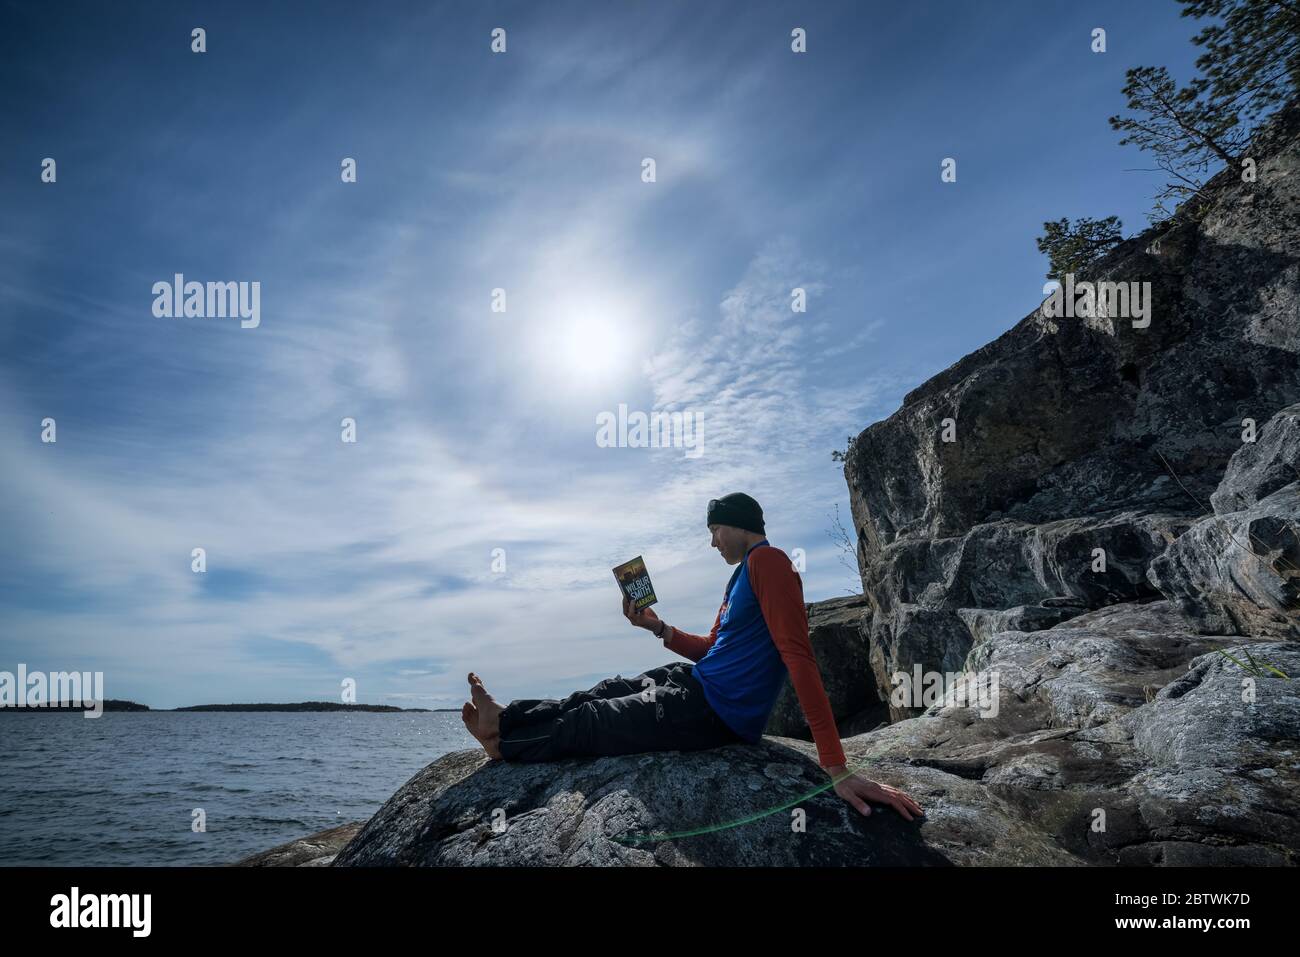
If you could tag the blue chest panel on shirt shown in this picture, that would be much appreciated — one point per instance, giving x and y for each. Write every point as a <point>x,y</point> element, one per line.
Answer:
<point>740,604</point>
<point>743,673</point>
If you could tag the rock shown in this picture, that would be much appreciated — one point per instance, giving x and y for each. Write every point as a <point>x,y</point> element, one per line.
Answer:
<point>729,806</point>
<point>1095,667</point>
<point>1072,418</point>
<point>1117,718</point>
<point>1082,453</point>
<point>1004,564</point>
<point>1080,438</point>
<point>912,636</point>
<point>1239,573</point>
<point>1049,572</point>
<point>1117,739</point>
<point>318,850</point>
<point>984,622</point>
<point>1259,469</point>
<point>1202,720</point>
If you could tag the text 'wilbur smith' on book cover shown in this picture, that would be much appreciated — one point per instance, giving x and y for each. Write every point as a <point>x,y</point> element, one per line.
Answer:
<point>635,582</point>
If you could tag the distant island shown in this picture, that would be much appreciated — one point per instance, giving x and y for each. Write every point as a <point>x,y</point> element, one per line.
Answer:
<point>304,706</point>
<point>112,704</point>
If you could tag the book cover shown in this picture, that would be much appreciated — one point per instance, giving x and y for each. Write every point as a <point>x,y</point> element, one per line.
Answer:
<point>633,578</point>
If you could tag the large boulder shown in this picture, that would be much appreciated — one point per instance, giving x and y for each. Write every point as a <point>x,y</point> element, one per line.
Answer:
<point>1119,737</point>
<point>1065,418</point>
<point>1098,560</point>
<point>1260,468</point>
<point>915,637</point>
<point>1237,572</point>
<point>765,804</point>
<point>1069,464</point>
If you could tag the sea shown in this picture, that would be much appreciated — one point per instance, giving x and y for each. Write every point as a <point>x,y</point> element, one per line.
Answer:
<point>199,788</point>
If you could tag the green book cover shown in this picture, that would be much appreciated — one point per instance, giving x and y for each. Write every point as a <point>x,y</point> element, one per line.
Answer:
<point>633,578</point>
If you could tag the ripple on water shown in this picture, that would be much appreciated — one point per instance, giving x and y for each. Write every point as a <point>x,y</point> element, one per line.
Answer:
<point>150,771</point>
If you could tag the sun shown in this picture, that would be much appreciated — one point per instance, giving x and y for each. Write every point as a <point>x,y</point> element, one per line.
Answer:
<point>588,345</point>
<point>591,340</point>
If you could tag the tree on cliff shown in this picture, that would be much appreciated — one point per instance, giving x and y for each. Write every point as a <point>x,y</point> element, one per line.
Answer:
<point>1251,58</point>
<point>1251,64</point>
<point>1073,247</point>
<point>1186,131</point>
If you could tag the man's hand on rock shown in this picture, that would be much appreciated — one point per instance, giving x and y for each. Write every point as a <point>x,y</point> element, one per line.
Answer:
<point>857,790</point>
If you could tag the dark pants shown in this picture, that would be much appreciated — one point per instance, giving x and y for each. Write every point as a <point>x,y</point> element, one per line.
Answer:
<point>663,709</point>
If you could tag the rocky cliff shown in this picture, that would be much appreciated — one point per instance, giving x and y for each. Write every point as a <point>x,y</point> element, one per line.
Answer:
<point>1105,515</point>
<point>1095,524</point>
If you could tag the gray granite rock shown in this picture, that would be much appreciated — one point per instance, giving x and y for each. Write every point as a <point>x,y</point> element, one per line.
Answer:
<point>1260,468</point>
<point>1006,563</point>
<point>1119,719</point>
<point>316,850</point>
<point>1071,419</point>
<point>984,622</point>
<point>1238,573</point>
<point>739,805</point>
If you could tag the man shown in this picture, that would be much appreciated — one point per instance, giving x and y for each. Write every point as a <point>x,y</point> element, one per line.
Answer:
<point>759,636</point>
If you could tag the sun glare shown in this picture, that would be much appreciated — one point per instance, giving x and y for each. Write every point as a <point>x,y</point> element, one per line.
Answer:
<point>592,341</point>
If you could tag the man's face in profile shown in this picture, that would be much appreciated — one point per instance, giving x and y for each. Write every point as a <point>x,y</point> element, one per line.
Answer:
<point>729,541</point>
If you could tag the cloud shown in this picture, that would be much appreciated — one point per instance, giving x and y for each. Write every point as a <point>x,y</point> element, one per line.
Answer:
<point>327,558</point>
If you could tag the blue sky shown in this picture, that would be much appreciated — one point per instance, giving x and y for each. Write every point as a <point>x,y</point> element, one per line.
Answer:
<point>476,429</point>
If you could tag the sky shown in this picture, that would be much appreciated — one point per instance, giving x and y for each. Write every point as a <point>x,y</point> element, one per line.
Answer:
<point>381,560</point>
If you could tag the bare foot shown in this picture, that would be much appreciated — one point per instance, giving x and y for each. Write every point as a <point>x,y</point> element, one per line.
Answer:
<point>489,710</point>
<point>469,714</point>
<point>483,717</point>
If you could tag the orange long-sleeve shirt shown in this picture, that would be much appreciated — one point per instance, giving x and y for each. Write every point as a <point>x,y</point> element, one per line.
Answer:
<point>779,593</point>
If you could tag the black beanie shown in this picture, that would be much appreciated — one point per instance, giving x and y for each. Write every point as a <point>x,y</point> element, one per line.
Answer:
<point>738,510</point>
